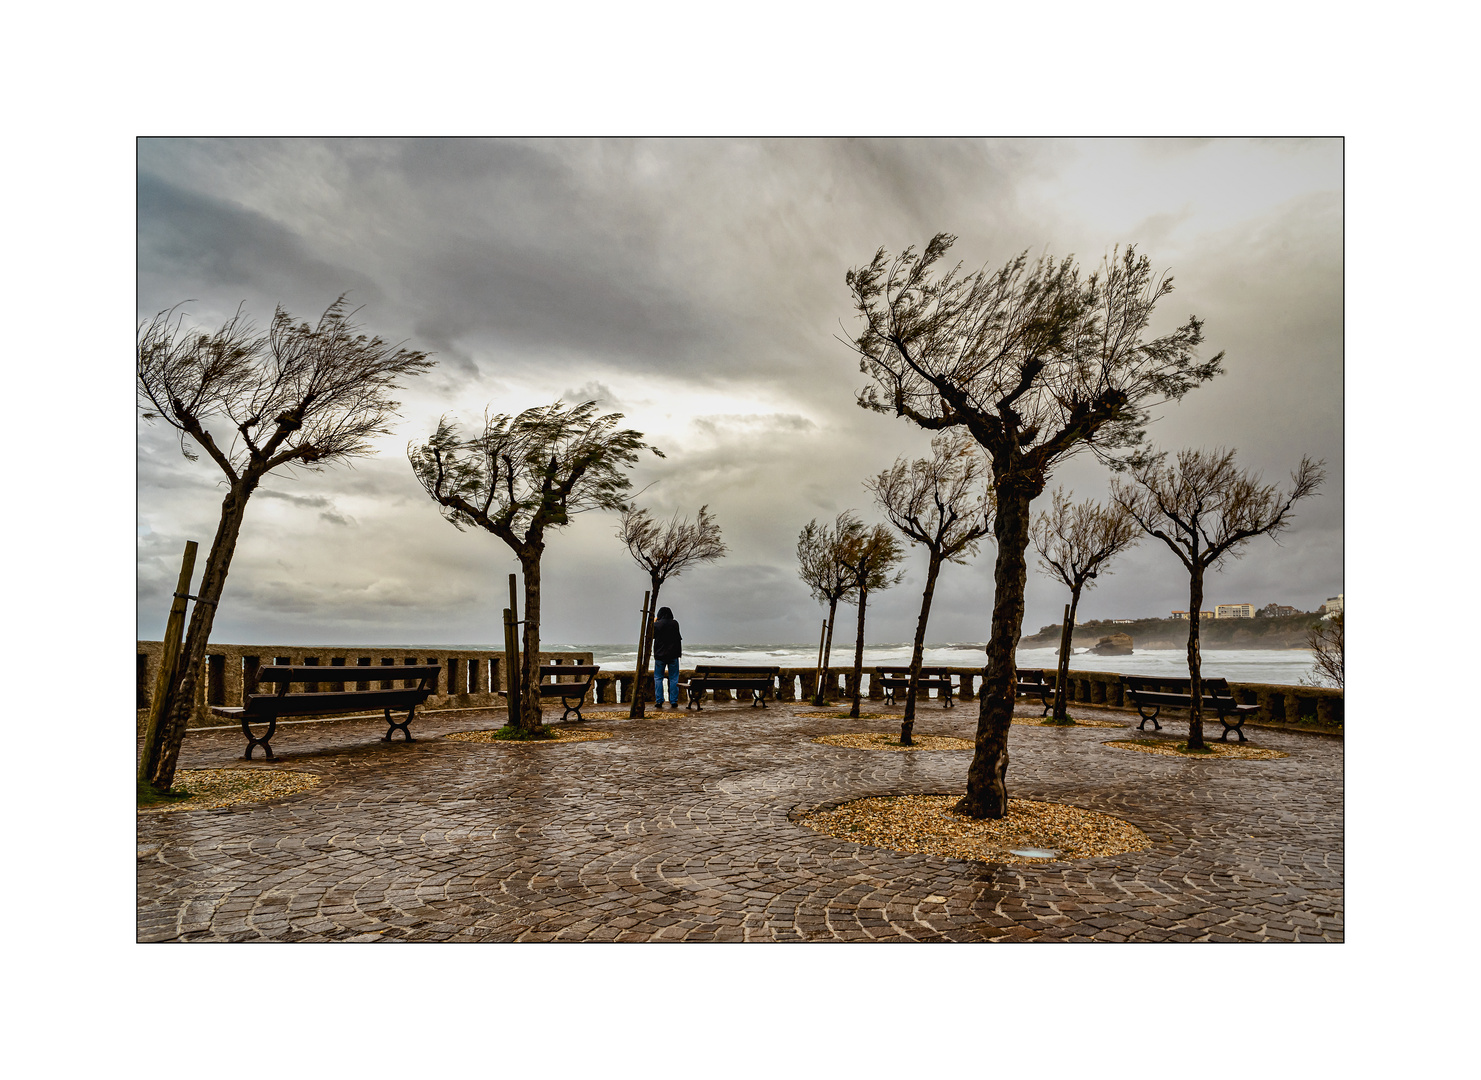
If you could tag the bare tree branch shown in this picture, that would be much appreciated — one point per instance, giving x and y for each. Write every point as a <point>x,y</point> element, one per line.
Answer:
<point>1205,509</point>
<point>1327,652</point>
<point>1076,542</point>
<point>666,551</point>
<point>945,503</point>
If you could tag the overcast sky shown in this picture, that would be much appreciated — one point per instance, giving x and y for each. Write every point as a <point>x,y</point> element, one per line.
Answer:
<point>696,286</point>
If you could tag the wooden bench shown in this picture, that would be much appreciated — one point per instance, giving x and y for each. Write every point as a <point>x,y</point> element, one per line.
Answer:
<point>1031,683</point>
<point>1149,692</point>
<point>573,689</point>
<point>758,680</point>
<point>895,679</point>
<point>270,708</point>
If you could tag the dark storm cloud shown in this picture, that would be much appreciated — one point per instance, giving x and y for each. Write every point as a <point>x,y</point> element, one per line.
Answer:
<point>649,256</point>
<point>222,248</point>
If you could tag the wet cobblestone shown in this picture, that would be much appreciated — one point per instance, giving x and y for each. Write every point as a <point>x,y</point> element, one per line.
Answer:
<point>680,829</point>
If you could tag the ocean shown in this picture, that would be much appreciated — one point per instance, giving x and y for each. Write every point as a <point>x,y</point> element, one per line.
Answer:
<point>1279,666</point>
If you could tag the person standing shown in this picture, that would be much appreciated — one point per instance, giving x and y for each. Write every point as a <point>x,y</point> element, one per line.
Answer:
<point>668,646</point>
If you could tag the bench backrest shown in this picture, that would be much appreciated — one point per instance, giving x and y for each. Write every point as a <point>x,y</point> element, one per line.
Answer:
<point>1029,675</point>
<point>926,672</point>
<point>577,672</point>
<point>334,701</point>
<point>736,669</point>
<point>313,673</point>
<point>1157,682</point>
<point>1212,687</point>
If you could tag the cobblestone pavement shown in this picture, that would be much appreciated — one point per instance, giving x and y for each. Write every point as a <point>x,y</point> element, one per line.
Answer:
<point>680,829</point>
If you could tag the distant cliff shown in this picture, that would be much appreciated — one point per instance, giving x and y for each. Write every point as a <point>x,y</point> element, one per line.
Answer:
<point>1280,632</point>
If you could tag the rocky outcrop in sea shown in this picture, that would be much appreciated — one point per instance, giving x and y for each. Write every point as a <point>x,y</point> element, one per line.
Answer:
<point>1113,645</point>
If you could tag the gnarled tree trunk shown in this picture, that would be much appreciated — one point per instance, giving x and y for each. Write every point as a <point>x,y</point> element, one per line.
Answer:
<point>529,676</point>
<point>987,790</point>
<point>1195,660</point>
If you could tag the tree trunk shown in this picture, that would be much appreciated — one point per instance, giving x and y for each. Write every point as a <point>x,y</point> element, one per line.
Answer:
<point>907,726</point>
<point>987,789</point>
<point>818,698</point>
<point>859,654</point>
<point>1195,660</point>
<point>529,676</point>
<point>1061,682</point>
<point>163,753</point>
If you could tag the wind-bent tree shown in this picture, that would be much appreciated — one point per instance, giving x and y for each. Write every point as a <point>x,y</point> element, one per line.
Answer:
<point>296,396</point>
<point>821,566</point>
<point>944,503</point>
<point>665,552</point>
<point>1327,652</point>
<point>519,477</point>
<point>871,557</point>
<point>1037,365</point>
<point>1075,542</point>
<point>1205,509</point>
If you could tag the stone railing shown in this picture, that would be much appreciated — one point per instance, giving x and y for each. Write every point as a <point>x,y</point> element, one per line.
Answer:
<point>1299,706</point>
<point>469,678</point>
<point>1310,706</point>
<point>473,679</point>
<point>794,684</point>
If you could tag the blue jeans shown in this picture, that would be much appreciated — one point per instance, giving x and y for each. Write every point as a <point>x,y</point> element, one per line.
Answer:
<point>671,667</point>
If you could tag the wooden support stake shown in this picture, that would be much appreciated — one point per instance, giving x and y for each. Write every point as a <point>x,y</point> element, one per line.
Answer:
<point>511,667</point>
<point>636,710</point>
<point>169,655</point>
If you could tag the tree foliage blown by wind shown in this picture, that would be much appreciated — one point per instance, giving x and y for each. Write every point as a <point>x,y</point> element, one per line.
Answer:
<point>1037,363</point>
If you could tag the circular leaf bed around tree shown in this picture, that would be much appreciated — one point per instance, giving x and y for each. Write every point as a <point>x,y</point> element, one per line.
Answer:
<point>1018,721</point>
<point>212,789</point>
<point>557,735</point>
<point>927,825</point>
<point>621,714</point>
<point>890,740</point>
<point>1215,749</point>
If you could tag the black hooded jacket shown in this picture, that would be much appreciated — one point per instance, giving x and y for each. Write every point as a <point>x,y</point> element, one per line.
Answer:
<point>667,644</point>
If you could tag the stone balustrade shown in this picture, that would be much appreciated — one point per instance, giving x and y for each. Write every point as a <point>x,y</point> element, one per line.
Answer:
<point>1296,705</point>
<point>473,679</point>
<point>1315,706</point>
